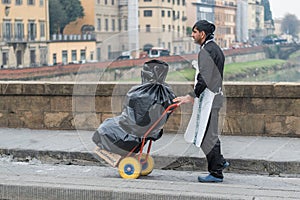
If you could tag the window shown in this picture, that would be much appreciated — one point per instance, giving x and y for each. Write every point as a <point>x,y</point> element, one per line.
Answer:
<point>54,57</point>
<point>113,25</point>
<point>98,53</point>
<point>32,58</point>
<point>148,27</point>
<point>42,29</point>
<point>109,54</point>
<point>41,2</point>
<point>74,55</point>
<point>43,56</point>
<point>31,30</point>
<point>7,30</point>
<point>98,24</point>
<point>82,54</point>
<point>4,58</point>
<point>162,13</point>
<point>169,13</point>
<point>64,57</point>
<point>19,58</point>
<point>19,2</point>
<point>147,13</point>
<point>147,0</point>
<point>98,1</point>
<point>120,24</point>
<point>105,2</point>
<point>126,25</point>
<point>106,24</point>
<point>163,28</point>
<point>6,1</point>
<point>19,30</point>
<point>30,2</point>
<point>112,2</point>
<point>92,55</point>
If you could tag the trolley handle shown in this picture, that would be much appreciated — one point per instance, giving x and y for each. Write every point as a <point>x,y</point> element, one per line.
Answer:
<point>172,106</point>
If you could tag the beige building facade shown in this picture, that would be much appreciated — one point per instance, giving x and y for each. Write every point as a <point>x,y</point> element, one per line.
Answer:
<point>225,21</point>
<point>71,52</point>
<point>108,29</point>
<point>108,22</point>
<point>159,24</point>
<point>255,20</point>
<point>163,24</point>
<point>222,13</point>
<point>24,32</point>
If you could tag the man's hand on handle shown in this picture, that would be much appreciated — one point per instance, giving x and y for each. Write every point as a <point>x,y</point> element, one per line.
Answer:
<point>184,99</point>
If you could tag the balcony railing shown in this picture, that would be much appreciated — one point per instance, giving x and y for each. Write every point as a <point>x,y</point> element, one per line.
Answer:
<point>73,37</point>
<point>18,38</point>
<point>123,2</point>
<point>56,37</point>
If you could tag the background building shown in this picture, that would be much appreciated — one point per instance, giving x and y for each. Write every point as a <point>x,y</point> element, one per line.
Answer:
<point>221,13</point>
<point>163,24</point>
<point>225,21</point>
<point>242,34</point>
<point>255,21</point>
<point>111,28</point>
<point>24,33</point>
<point>108,21</point>
<point>131,27</point>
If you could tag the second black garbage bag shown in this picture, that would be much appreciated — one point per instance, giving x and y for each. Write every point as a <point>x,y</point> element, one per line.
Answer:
<point>143,106</point>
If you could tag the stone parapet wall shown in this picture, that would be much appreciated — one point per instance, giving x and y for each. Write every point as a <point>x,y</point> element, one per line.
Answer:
<point>266,109</point>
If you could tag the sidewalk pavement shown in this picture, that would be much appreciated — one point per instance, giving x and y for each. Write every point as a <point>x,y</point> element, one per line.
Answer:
<point>82,177</point>
<point>246,154</point>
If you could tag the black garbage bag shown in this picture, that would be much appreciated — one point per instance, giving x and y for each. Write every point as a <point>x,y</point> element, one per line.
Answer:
<point>143,106</point>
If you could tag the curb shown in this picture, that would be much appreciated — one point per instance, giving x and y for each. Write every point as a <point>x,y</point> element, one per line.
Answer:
<point>161,162</point>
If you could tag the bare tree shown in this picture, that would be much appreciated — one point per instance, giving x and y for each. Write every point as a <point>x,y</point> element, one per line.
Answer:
<point>290,24</point>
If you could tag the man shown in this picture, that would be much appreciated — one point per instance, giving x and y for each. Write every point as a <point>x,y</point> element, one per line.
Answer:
<point>210,64</point>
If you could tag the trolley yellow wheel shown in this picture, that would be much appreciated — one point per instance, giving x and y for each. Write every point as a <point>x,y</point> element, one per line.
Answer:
<point>147,165</point>
<point>129,168</point>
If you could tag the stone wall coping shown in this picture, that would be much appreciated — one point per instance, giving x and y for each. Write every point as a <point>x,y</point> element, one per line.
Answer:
<point>231,89</point>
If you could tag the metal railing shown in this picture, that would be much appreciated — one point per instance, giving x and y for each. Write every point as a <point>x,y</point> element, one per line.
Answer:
<point>123,2</point>
<point>72,37</point>
<point>55,37</point>
<point>18,38</point>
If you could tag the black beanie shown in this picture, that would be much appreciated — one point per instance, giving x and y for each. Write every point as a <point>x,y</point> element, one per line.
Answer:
<point>204,25</point>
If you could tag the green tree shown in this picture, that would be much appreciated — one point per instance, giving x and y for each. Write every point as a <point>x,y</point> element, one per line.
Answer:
<point>189,31</point>
<point>290,24</point>
<point>57,16</point>
<point>73,9</point>
<point>62,12</point>
<point>267,10</point>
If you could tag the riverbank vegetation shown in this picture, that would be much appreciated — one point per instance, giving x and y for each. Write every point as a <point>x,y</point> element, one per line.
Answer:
<point>235,71</point>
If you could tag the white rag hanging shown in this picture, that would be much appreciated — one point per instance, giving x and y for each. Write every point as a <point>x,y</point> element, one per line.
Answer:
<point>201,111</point>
